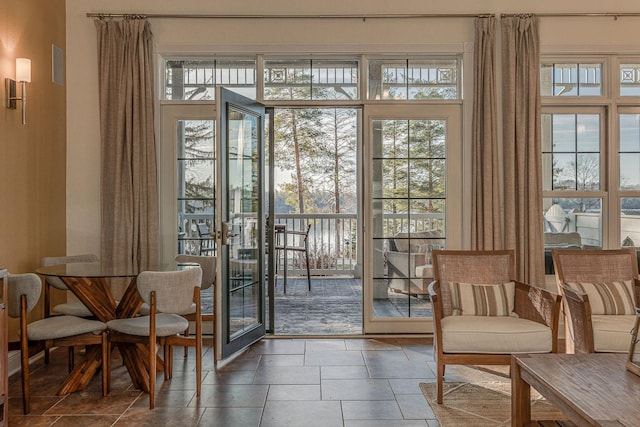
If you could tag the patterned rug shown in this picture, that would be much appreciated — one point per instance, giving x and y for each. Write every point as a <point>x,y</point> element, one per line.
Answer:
<point>484,404</point>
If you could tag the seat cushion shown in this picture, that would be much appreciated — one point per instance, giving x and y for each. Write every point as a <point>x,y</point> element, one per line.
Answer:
<point>494,335</point>
<point>424,270</point>
<point>73,309</point>
<point>611,333</point>
<point>166,325</point>
<point>61,327</point>
<point>145,310</point>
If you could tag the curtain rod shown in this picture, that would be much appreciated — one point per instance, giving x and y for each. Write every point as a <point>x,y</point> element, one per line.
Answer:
<point>362,16</point>
<point>574,15</point>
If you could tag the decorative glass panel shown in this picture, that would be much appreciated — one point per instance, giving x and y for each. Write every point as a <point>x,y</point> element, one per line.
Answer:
<point>571,80</point>
<point>414,79</point>
<point>307,79</point>
<point>629,79</point>
<point>196,79</point>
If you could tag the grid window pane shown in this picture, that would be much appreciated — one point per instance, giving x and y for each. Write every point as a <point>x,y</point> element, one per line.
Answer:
<point>571,152</point>
<point>582,215</point>
<point>630,222</point>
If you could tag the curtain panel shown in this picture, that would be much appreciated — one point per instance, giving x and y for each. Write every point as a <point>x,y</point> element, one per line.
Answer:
<point>486,226</point>
<point>522,146</point>
<point>129,190</point>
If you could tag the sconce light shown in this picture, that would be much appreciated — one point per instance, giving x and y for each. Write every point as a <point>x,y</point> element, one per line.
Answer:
<point>23,75</point>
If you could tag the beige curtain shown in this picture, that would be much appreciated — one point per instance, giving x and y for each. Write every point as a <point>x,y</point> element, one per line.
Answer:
<point>486,227</point>
<point>522,146</point>
<point>128,170</point>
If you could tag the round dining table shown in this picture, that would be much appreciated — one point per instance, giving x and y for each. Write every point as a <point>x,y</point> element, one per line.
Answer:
<point>92,284</point>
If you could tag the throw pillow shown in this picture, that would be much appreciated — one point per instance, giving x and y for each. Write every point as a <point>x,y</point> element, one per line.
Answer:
<point>608,297</point>
<point>470,299</point>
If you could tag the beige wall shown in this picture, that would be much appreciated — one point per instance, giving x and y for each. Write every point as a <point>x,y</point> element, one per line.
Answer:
<point>32,156</point>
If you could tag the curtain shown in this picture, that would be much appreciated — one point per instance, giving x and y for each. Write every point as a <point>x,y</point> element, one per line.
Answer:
<point>486,227</point>
<point>129,191</point>
<point>522,146</point>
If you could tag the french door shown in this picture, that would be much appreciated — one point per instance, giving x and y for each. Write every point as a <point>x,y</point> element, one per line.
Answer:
<point>240,225</point>
<point>211,175</point>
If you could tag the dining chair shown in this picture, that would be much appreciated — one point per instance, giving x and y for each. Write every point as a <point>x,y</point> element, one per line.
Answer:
<point>208,266</point>
<point>24,291</point>
<point>482,315</point>
<point>600,290</point>
<point>72,306</point>
<point>300,245</point>
<point>170,294</point>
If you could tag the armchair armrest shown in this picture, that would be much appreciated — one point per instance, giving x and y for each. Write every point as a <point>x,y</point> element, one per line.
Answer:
<point>537,304</point>
<point>578,315</point>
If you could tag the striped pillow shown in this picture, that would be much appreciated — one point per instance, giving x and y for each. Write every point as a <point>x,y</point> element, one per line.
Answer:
<point>608,298</point>
<point>469,299</point>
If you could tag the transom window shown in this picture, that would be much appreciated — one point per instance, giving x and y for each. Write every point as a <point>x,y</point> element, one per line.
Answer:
<point>196,79</point>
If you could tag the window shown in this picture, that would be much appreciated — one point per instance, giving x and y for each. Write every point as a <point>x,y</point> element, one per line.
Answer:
<point>591,153</point>
<point>414,79</point>
<point>307,79</point>
<point>196,79</point>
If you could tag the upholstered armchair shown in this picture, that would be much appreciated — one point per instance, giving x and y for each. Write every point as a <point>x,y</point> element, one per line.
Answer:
<point>409,264</point>
<point>600,290</point>
<point>482,315</point>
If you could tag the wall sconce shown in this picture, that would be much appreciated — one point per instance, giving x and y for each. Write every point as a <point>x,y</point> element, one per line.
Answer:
<point>23,75</point>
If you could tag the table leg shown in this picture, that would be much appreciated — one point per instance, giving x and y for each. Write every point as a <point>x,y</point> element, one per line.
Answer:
<point>81,375</point>
<point>520,397</point>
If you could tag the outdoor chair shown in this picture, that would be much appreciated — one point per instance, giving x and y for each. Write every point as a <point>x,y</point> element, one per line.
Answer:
<point>170,294</point>
<point>600,290</point>
<point>299,245</point>
<point>58,331</point>
<point>482,315</point>
<point>207,241</point>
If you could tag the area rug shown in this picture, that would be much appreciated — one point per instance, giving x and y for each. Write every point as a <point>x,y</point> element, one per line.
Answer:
<point>484,404</point>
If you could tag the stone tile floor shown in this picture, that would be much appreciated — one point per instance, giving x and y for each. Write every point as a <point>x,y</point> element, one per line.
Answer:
<point>277,382</point>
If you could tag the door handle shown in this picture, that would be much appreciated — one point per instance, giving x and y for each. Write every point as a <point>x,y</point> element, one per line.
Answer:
<point>224,234</point>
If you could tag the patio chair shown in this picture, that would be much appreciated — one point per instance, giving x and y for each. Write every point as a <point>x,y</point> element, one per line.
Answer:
<point>207,242</point>
<point>300,246</point>
<point>482,316</point>
<point>600,289</point>
<point>58,331</point>
<point>170,294</point>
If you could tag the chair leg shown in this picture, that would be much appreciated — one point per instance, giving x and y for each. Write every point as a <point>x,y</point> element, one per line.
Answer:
<point>105,363</point>
<point>440,382</point>
<point>167,350</point>
<point>306,253</point>
<point>186,348</point>
<point>71,359</point>
<point>152,371</point>
<point>24,362</point>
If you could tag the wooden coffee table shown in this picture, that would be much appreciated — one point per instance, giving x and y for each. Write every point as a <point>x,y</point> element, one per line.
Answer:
<point>590,389</point>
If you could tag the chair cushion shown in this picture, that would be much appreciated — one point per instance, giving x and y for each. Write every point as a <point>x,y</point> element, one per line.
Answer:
<point>494,335</point>
<point>424,271</point>
<point>469,299</point>
<point>608,297</point>
<point>611,333</point>
<point>166,325</point>
<point>73,309</point>
<point>61,327</point>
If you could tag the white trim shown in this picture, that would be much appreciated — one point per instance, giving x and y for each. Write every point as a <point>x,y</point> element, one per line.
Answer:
<point>187,49</point>
<point>590,49</point>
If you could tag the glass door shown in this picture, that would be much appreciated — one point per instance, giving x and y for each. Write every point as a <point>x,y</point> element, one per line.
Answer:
<point>240,223</point>
<point>413,196</point>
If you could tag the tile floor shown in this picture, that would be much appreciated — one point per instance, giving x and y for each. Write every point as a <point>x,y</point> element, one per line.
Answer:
<point>277,382</point>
